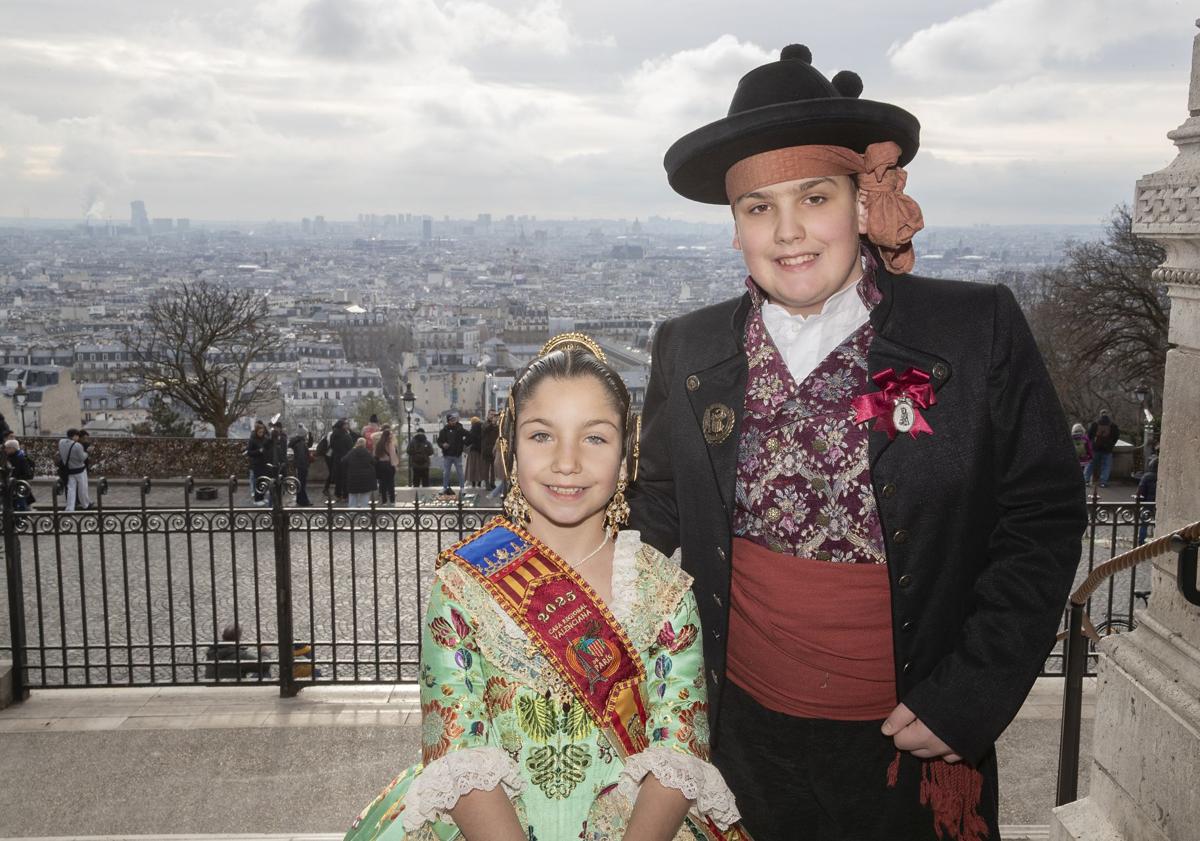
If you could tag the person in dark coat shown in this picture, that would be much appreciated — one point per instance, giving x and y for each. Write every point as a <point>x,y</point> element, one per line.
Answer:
<point>452,440</point>
<point>420,451</point>
<point>258,453</point>
<point>299,445</point>
<point>1104,434</point>
<point>341,441</point>
<point>358,469</point>
<point>21,469</point>
<point>869,476</point>
<point>491,433</point>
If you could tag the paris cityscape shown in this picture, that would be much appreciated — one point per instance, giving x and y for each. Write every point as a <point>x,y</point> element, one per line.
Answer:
<point>451,307</point>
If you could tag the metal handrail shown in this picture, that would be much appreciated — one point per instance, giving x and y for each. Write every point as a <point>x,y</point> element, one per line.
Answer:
<point>1079,630</point>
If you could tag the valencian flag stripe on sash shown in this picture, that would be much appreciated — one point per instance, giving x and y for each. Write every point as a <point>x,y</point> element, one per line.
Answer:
<point>573,629</point>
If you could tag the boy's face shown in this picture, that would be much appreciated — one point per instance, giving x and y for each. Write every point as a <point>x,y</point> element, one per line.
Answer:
<point>800,239</point>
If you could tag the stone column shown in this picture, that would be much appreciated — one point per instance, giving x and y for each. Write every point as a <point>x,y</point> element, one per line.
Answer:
<point>1145,775</point>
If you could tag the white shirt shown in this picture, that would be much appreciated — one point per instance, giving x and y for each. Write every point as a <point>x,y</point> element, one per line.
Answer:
<point>804,341</point>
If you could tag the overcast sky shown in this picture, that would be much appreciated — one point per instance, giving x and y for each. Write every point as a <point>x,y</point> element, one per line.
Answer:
<point>1031,110</point>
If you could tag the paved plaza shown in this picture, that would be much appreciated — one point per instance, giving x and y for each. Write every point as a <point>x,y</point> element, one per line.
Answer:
<point>240,761</point>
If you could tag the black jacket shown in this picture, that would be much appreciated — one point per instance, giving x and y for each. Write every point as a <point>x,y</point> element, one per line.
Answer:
<point>340,443</point>
<point>259,451</point>
<point>452,439</point>
<point>474,441</point>
<point>419,451</point>
<point>359,465</point>
<point>490,435</point>
<point>982,519</point>
<point>299,444</point>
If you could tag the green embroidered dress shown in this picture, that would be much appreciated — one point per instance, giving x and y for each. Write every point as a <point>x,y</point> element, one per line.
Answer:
<point>495,712</point>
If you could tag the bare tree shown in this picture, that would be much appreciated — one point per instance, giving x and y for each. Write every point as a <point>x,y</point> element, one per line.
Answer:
<point>1102,325</point>
<point>210,348</point>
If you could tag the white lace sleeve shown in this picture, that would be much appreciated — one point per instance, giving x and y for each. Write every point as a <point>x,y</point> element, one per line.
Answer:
<point>442,782</point>
<point>696,779</point>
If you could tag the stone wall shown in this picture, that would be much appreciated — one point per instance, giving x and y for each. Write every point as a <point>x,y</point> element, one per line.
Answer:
<point>158,458</point>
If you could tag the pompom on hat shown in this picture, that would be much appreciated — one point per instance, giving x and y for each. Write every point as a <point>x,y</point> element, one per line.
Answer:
<point>781,104</point>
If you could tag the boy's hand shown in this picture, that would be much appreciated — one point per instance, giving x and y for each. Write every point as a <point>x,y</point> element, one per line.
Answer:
<point>910,734</point>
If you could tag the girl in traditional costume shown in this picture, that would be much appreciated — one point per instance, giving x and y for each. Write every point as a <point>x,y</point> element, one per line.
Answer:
<point>562,682</point>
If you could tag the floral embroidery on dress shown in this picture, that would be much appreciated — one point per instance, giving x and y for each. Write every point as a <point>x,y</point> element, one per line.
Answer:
<point>557,770</point>
<point>439,727</point>
<point>693,730</point>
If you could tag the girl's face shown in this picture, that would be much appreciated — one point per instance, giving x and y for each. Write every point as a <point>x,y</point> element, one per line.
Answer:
<point>568,452</point>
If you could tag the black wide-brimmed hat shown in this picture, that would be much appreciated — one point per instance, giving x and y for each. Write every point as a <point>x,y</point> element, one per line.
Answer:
<point>780,104</point>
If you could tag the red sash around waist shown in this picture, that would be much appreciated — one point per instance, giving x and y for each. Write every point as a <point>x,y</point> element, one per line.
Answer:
<point>811,638</point>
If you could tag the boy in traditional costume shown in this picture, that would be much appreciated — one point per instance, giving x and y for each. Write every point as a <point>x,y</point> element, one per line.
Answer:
<point>869,476</point>
<point>562,688</point>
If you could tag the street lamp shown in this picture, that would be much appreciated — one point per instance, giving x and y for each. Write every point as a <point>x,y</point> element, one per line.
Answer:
<point>21,395</point>
<point>409,400</point>
<point>1142,394</point>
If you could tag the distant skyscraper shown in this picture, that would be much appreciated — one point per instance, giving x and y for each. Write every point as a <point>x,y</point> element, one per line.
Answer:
<point>427,230</point>
<point>183,225</point>
<point>163,225</point>
<point>319,226</point>
<point>138,218</point>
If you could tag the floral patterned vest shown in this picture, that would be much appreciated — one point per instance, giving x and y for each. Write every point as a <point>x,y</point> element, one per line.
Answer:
<point>804,478</point>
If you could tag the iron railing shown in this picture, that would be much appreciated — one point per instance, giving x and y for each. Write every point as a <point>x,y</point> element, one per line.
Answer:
<point>1113,528</point>
<point>139,595</point>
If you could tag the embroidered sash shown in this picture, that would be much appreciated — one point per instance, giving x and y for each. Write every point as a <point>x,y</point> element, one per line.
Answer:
<point>574,630</point>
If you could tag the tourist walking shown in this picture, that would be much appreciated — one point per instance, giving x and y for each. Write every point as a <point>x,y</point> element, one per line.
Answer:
<point>258,454</point>
<point>20,469</point>
<point>452,440</point>
<point>1104,434</point>
<point>358,474</point>
<point>491,431</point>
<point>476,470</point>
<point>420,452</point>
<point>72,458</point>
<point>1083,448</point>
<point>341,441</point>
<point>386,462</point>
<point>299,445</point>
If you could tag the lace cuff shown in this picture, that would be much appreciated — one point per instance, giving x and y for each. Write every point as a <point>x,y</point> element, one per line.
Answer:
<point>696,779</point>
<point>442,782</point>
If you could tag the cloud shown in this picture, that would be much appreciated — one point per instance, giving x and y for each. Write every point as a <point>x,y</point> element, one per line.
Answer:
<point>1014,39</point>
<point>683,90</point>
<point>410,31</point>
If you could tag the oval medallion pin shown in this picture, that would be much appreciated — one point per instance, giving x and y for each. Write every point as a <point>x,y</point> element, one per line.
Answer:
<point>903,415</point>
<point>718,423</point>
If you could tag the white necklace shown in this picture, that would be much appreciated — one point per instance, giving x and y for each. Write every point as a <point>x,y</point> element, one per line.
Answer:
<point>592,553</point>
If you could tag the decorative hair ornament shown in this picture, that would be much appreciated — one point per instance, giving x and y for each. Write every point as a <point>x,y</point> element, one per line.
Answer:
<point>581,340</point>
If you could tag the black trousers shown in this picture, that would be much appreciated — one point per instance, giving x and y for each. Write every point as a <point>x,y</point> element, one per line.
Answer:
<point>385,473</point>
<point>803,779</point>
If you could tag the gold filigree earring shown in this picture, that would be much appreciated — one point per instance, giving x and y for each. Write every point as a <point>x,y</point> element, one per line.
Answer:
<point>515,503</point>
<point>617,512</point>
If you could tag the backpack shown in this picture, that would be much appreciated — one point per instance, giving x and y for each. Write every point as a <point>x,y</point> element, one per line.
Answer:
<point>1103,433</point>
<point>1081,447</point>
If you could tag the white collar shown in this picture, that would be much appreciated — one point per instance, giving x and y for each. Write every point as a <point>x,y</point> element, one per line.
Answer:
<point>844,303</point>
